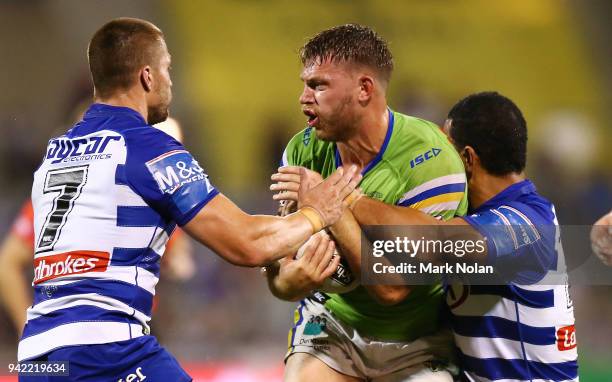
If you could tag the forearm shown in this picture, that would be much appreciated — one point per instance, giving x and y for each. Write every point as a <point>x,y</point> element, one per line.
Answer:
<point>244,239</point>
<point>347,234</point>
<point>16,299</point>
<point>14,288</point>
<point>369,211</point>
<point>280,288</point>
<point>273,237</point>
<point>416,225</point>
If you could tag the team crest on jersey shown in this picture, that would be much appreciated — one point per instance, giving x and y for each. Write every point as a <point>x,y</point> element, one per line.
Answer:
<point>306,138</point>
<point>175,169</point>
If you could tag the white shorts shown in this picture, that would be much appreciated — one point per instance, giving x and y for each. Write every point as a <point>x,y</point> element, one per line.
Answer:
<point>319,333</point>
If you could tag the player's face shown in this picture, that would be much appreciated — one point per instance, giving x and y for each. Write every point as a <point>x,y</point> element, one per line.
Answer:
<point>329,99</point>
<point>162,89</point>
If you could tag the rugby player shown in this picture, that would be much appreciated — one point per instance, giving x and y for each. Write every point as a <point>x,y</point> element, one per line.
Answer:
<point>106,197</point>
<point>523,329</point>
<point>375,332</point>
<point>16,253</point>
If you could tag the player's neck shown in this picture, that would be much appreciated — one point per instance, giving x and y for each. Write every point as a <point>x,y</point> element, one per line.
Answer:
<point>483,186</point>
<point>127,99</point>
<point>367,143</point>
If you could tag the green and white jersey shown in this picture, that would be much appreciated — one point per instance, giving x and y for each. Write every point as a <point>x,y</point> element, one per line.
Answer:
<point>416,167</point>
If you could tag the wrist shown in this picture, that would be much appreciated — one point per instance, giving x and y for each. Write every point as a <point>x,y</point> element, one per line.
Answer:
<point>314,217</point>
<point>352,199</point>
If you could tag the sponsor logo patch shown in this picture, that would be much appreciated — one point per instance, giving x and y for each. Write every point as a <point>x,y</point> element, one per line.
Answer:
<point>566,338</point>
<point>315,326</point>
<point>427,155</point>
<point>176,168</point>
<point>69,263</point>
<point>79,149</point>
<point>136,376</point>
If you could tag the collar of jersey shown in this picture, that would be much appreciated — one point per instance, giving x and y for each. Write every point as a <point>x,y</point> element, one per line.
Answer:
<point>380,154</point>
<point>100,109</point>
<point>509,194</point>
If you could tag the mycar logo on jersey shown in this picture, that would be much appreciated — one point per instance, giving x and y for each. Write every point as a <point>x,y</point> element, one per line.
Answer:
<point>175,169</point>
<point>69,263</point>
<point>79,149</point>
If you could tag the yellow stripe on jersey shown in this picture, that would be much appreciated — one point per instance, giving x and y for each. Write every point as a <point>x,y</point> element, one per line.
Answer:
<point>444,198</point>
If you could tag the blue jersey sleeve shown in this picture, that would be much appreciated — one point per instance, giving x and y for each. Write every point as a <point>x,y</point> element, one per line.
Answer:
<point>520,245</point>
<point>166,175</point>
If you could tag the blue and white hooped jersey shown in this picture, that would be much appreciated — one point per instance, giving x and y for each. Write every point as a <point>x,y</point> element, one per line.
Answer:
<point>523,330</point>
<point>106,198</point>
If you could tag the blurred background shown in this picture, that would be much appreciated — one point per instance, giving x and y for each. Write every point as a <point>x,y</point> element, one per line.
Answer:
<point>236,89</point>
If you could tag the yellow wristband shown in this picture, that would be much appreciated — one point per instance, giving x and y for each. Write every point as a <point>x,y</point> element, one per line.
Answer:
<point>314,217</point>
<point>352,198</point>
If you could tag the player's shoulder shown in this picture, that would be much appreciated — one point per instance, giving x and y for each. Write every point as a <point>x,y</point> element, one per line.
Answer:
<point>420,147</point>
<point>415,131</point>
<point>146,142</point>
<point>533,209</point>
<point>529,210</point>
<point>413,136</point>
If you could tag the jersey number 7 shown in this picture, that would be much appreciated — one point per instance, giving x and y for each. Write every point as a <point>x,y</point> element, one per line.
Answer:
<point>68,183</point>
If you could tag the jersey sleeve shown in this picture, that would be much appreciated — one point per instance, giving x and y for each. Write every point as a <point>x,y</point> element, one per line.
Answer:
<point>166,175</point>
<point>436,182</point>
<point>23,226</point>
<point>522,250</point>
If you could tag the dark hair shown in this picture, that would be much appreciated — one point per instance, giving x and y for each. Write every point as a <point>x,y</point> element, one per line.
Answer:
<point>494,126</point>
<point>350,43</point>
<point>118,50</point>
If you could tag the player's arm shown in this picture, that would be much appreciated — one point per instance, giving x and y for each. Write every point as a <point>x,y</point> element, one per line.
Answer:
<point>177,262</point>
<point>347,232</point>
<point>601,238</point>
<point>416,224</point>
<point>15,256</point>
<point>295,277</point>
<point>511,237</point>
<point>256,240</point>
<point>172,182</point>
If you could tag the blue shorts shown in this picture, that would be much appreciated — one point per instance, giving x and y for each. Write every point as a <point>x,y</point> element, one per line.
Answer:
<point>132,360</point>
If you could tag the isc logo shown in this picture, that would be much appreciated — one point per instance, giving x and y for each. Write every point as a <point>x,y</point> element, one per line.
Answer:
<point>566,338</point>
<point>427,155</point>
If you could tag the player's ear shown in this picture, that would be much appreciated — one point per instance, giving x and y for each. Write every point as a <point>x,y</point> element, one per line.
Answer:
<point>366,88</point>
<point>146,78</point>
<point>469,156</point>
